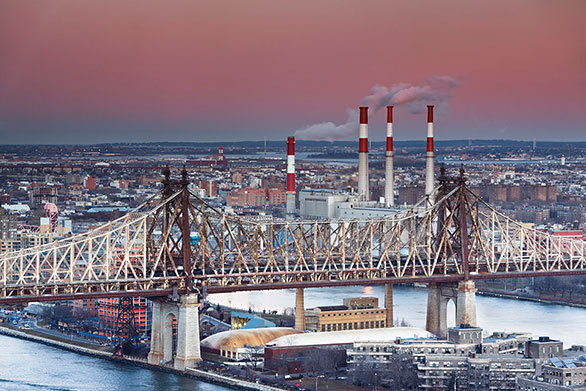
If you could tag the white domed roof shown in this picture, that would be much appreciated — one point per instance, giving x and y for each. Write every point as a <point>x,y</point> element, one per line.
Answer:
<point>350,336</point>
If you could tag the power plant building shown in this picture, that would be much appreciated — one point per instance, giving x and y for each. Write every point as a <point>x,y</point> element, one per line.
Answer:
<point>329,204</point>
<point>322,203</point>
<point>355,314</point>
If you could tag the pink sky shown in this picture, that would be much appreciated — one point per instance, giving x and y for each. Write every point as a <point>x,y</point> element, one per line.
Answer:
<point>115,70</point>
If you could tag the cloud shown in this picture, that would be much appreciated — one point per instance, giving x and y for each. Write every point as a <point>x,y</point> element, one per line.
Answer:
<point>435,90</point>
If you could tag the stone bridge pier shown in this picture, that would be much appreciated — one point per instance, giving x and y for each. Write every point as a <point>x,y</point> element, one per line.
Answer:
<point>183,317</point>
<point>463,294</point>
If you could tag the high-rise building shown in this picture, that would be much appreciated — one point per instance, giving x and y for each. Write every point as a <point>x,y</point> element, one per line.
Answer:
<point>111,319</point>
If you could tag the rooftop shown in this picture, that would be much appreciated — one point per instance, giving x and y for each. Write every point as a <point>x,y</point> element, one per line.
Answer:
<point>326,308</point>
<point>347,337</point>
<point>247,337</point>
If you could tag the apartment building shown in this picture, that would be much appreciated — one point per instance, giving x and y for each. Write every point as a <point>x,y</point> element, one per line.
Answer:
<point>466,361</point>
<point>557,375</point>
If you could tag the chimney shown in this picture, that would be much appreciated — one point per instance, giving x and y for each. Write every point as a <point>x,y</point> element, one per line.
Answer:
<point>429,155</point>
<point>290,177</point>
<point>220,153</point>
<point>389,169</point>
<point>363,193</point>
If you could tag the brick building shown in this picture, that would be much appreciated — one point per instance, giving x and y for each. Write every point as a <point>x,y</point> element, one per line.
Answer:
<point>354,314</point>
<point>210,188</point>
<point>256,197</point>
<point>108,311</point>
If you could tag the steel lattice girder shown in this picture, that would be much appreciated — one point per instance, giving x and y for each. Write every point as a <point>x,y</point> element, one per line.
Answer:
<point>458,237</point>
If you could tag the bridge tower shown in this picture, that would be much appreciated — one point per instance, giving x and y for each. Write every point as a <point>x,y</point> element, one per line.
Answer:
<point>184,312</point>
<point>175,320</point>
<point>462,293</point>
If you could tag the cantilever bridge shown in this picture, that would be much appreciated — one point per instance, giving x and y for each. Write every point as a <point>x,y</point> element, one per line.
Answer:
<point>175,242</point>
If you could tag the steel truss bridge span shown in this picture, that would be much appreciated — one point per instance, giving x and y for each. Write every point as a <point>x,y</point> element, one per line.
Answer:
<point>176,242</point>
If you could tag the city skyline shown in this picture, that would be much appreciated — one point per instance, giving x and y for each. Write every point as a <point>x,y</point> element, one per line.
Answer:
<point>115,72</point>
<point>293,195</point>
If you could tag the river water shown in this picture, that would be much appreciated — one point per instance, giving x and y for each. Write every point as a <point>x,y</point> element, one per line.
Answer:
<point>30,366</point>
<point>27,366</point>
<point>494,314</point>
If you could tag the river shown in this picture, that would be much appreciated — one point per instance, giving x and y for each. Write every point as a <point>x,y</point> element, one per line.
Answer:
<point>494,314</point>
<point>28,366</point>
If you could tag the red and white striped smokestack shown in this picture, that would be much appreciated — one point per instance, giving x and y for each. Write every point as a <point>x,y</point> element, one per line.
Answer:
<point>363,193</point>
<point>429,155</point>
<point>290,176</point>
<point>221,152</point>
<point>389,169</point>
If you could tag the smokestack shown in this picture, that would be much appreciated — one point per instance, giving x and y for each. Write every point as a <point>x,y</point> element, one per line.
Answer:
<point>220,153</point>
<point>429,155</point>
<point>389,169</point>
<point>363,193</point>
<point>290,177</point>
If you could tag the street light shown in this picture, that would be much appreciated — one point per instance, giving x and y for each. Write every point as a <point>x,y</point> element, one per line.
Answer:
<point>316,378</point>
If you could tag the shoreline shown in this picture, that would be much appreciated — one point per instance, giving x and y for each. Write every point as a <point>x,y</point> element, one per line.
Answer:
<point>517,296</point>
<point>195,373</point>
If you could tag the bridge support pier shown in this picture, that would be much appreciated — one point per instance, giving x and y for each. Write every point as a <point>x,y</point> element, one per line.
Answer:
<point>185,350</point>
<point>466,303</point>
<point>299,310</point>
<point>188,350</point>
<point>156,353</point>
<point>462,294</point>
<point>389,305</point>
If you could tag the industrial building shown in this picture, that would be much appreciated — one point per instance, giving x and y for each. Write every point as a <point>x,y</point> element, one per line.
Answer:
<point>329,204</point>
<point>354,314</point>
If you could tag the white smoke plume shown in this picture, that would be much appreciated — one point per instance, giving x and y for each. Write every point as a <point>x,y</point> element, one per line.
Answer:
<point>329,131</point>
<point>436,90</point>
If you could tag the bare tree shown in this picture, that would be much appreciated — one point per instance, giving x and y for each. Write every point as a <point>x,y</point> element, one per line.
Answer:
<point>399,373</point>
<point>322,360</point>
<point>252,356</point>
<point>402,323</point>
